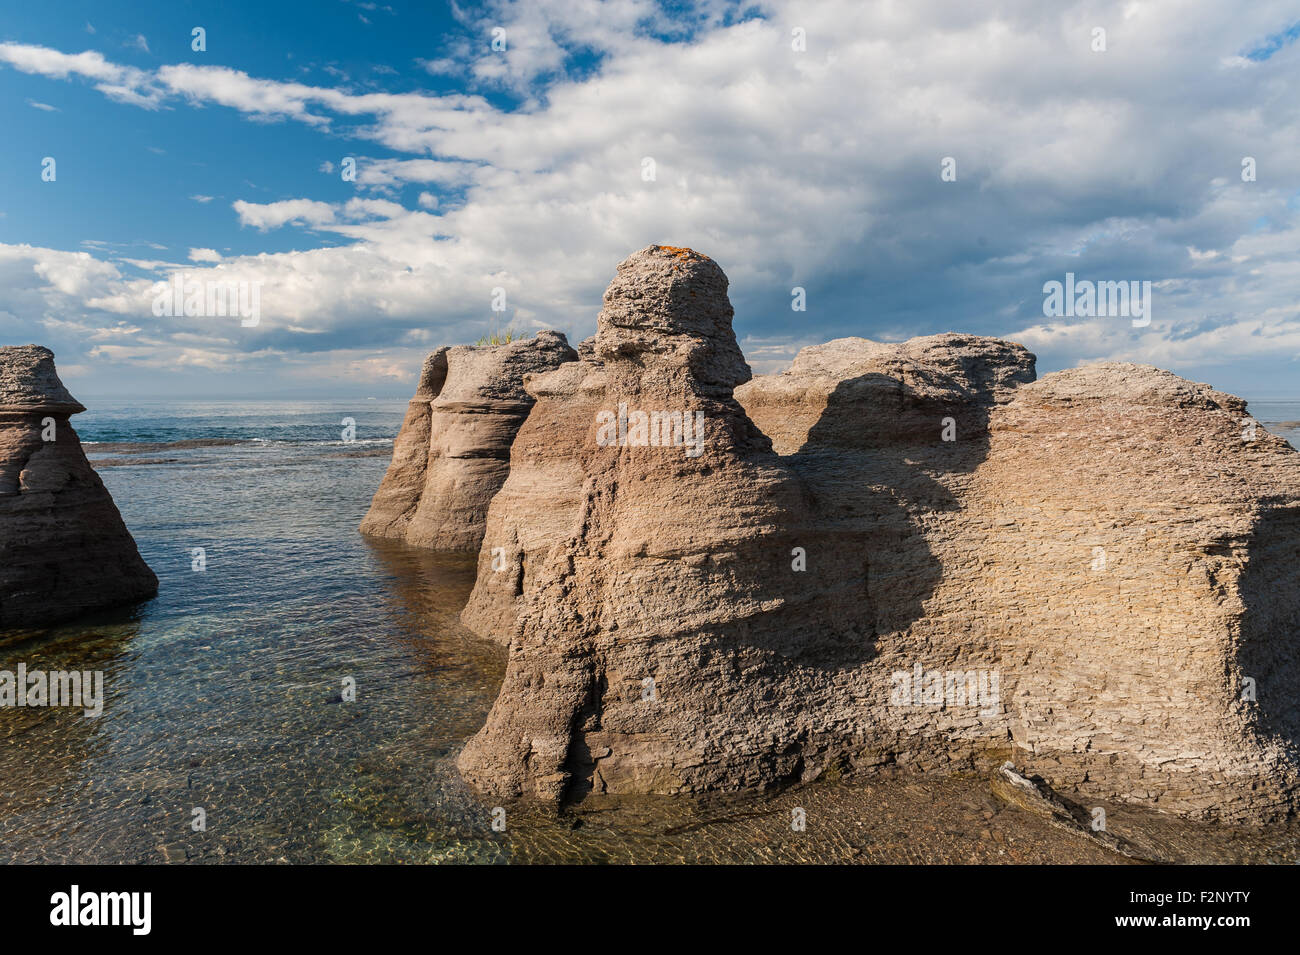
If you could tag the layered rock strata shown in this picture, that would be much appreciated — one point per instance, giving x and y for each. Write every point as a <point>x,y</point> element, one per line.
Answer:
<point>453,451</point>
<point>661,642</point>
<point>1140,561</point>
<point>1086,537</point>
<point>934,563</point>
<point>63,547</point>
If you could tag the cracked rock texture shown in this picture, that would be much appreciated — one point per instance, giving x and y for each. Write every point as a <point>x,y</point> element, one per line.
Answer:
<point>907,555</point>
<point>453,451</point>
<point>63,547</point>
<point>660,640</point>
<point>1141,565</point>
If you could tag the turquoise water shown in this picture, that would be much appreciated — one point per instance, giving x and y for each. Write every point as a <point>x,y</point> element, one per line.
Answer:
<point>224,693</point>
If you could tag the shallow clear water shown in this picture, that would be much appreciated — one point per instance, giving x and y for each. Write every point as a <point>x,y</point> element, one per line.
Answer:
<point>224,693</point>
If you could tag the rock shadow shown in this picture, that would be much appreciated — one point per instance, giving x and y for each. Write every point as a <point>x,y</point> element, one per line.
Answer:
<point>883,465</point>
<point>421,584</point>
<point>1270,627</point>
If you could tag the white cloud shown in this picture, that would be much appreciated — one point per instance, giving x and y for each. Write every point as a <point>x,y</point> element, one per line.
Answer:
<point>818,169</point>
<point>205,255</point>
<point>52,63</point>
<point>126,84</point>
<point>392,172</point>
<point>275,214</point>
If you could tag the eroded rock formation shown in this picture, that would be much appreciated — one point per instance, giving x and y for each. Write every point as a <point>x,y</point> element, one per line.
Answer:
<point>660,632</point>
<point>1141,563</point>
<point>934,563</point>
<point>63,547</point>
<point>453,451</point>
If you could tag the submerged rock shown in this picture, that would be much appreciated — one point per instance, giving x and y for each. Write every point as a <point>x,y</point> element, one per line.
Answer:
<point>63,547</point>
<point>934,563</point>
<point>452,453</point>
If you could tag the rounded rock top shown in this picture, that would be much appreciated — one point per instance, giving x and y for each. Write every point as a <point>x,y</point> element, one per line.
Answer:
<point>29,382</point>
<point>667,307</point>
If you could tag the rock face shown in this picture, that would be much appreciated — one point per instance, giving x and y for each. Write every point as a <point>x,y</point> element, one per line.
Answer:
<point>1141,562</point>
<point>934,563</point>
<point>1117,544</point>
<point>63,547</point>
<point>453,451</point>
<point>660,629</point>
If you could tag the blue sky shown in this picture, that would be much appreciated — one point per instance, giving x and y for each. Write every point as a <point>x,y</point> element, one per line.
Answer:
<point>522,168</point>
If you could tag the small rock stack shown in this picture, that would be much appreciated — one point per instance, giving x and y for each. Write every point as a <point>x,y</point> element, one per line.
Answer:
<point>63,547</point>
<point>453,451</point>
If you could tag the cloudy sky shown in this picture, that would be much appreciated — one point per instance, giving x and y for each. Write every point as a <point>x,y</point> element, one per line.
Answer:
<point>798,144</point>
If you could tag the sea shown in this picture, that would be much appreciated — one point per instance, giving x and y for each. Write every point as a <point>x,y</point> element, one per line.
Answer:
<point>297,693</point>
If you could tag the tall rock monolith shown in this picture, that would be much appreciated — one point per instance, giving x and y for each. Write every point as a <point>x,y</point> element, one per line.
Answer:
<point>63,547</point>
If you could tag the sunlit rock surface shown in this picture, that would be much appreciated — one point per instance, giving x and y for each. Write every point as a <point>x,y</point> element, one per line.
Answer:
<point>63,547</point>
<point>900,555</point>
<point>453,451</point>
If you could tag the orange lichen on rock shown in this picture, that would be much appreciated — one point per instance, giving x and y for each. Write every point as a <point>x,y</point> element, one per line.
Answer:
<point>681,252</point>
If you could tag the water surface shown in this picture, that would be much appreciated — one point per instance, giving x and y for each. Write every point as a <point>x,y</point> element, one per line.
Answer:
<point>224,693</point>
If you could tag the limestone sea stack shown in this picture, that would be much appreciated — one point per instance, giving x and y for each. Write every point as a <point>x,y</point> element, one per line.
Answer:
<point>660,641</point>
<point>63,547</point>
<point>936,563</point>
<point>1141,564</point>
<point>453,451</point>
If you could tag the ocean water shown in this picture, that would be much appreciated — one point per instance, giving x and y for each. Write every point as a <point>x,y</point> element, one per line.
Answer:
<point>224,693</point>
<point>1279,417</point>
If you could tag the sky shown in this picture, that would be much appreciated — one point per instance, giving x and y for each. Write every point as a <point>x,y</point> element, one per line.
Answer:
<point>379,170</point>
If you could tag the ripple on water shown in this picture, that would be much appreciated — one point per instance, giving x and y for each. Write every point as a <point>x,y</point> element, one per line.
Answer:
<point>224,693</point>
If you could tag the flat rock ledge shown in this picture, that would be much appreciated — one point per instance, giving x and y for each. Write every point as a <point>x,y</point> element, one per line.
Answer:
<point>893,555</point>
<point>64,550</point>
<point>452,453</point>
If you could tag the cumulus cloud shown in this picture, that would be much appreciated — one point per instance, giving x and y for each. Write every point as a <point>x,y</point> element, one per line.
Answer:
<point>275,214</point>
<point>818,168</point>
<point>382,173</point>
